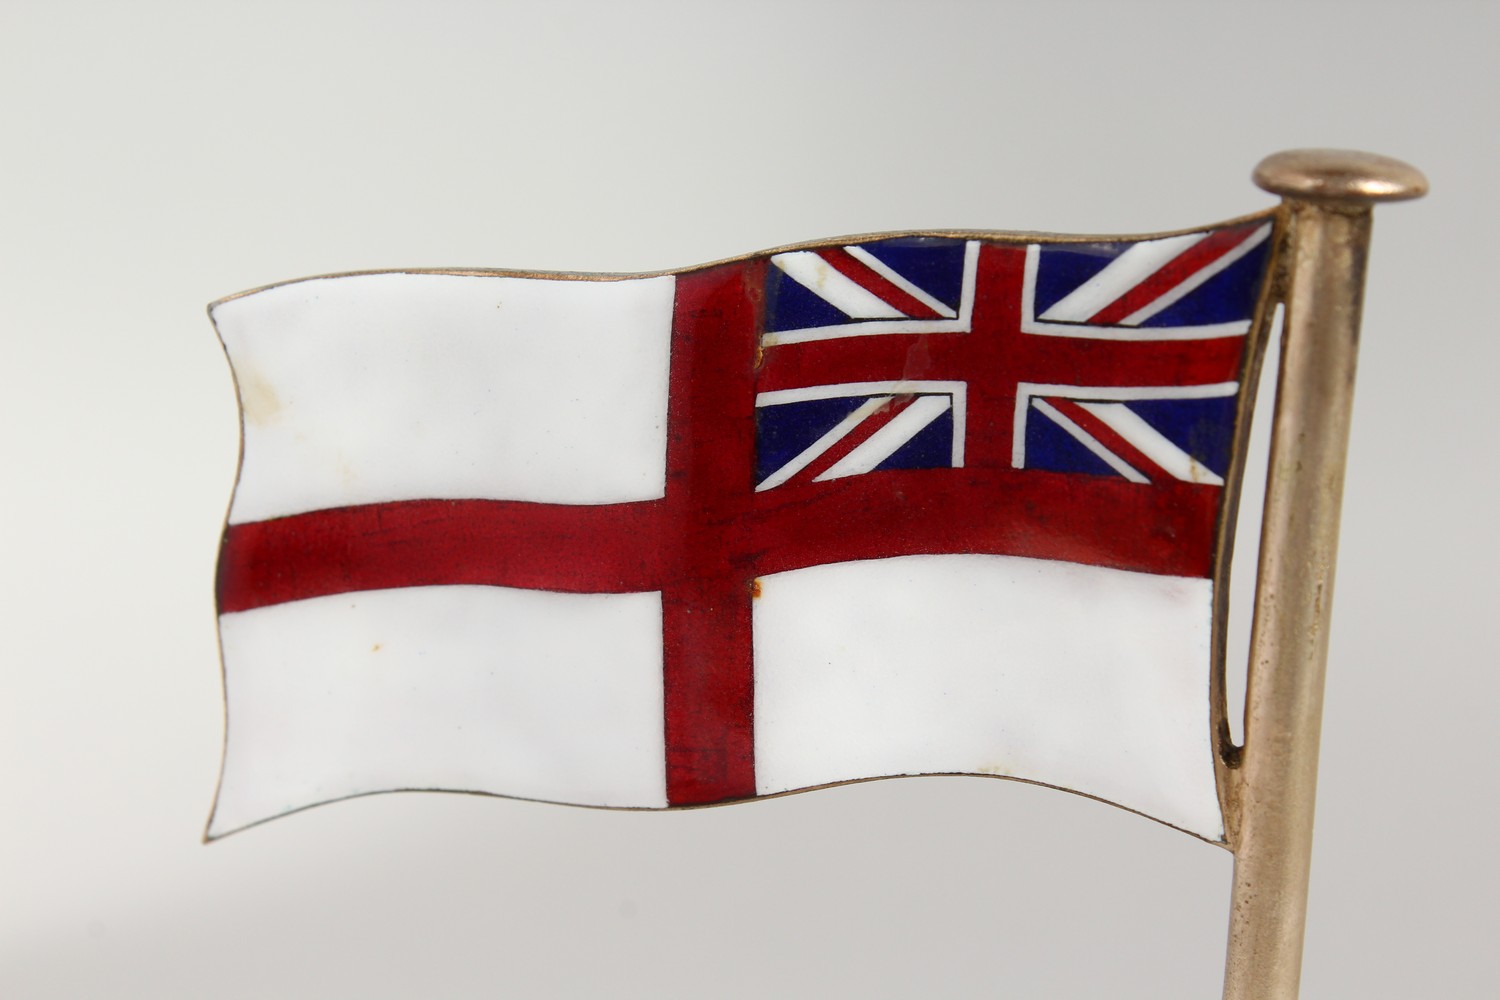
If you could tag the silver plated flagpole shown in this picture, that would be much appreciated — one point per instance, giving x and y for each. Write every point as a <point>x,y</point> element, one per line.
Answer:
<point>1328,196</point>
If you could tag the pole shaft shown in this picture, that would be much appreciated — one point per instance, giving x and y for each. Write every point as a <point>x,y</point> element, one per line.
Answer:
<point>1289,641</point>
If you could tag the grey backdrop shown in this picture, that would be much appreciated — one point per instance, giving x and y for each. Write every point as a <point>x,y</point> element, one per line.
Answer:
<point>159,155</point>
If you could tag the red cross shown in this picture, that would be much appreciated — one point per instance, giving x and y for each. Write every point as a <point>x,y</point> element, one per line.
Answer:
<point>708,540</point>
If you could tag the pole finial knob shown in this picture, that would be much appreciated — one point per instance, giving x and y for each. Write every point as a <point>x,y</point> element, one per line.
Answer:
<point>1339,175</point>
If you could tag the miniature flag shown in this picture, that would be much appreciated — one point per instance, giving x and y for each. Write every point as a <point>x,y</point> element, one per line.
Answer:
<point>919,504</point>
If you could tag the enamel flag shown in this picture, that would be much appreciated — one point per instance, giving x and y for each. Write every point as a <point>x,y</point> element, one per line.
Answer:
<point>907,504</point>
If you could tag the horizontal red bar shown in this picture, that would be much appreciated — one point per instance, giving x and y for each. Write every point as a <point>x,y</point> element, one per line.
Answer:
<point>622,548</point>
<point>1163,528</point>
<point>610,548</point>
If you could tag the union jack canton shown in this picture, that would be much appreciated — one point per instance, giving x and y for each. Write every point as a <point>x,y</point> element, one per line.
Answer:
<point>936,352</point>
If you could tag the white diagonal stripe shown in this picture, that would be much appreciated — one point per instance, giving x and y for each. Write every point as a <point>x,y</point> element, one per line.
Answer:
<point>1150,442</point>
<point>1212,390</point>
<point>961,323</point>
<point>1197,278</point>
<point>1118,277</point>
<point>1027,391</point>
<point>815,274</point>
<point>883,269</point>
<point>1090,442</point>
<point>883,443</point>
<point>904,387</point>
<point>822,444</point>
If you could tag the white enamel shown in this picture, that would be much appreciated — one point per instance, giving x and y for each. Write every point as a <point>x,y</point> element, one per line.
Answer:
<point>815,274</point>
<point>1152,443</point>
<point>377,387</point>
<point>883,269</point>
<point>1197,278</point>
<point>884,443</point>
<point>1090,442</point>
<point>1118,277</point>
<point>522,693</point>
<point>1090,679</point>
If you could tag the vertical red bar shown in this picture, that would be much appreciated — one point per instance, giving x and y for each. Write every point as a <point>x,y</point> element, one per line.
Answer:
<point>992,361</point>
<point>708,665</point>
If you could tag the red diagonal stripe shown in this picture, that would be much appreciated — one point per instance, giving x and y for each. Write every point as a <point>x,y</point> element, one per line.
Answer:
<point>856,437</point>
<point>1108,437</point>
<point>1173,273</point>
<point>877,284</point>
